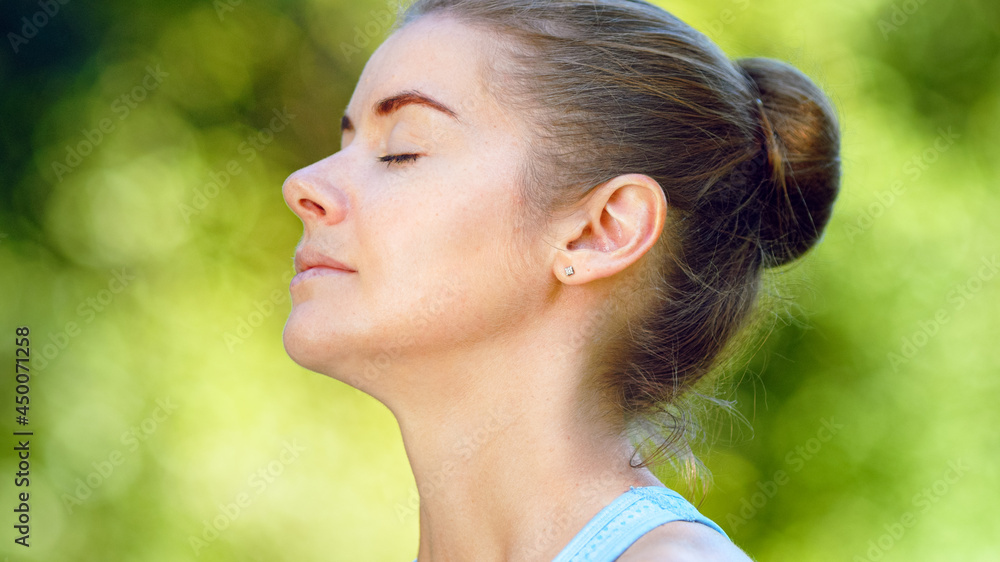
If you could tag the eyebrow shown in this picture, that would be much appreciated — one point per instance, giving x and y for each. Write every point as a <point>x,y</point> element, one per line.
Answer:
<point>387,106</point>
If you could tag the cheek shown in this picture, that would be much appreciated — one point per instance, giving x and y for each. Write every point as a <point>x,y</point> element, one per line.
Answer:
<point>423,241</point>
<point>447,219</point>
<point>458,236</point>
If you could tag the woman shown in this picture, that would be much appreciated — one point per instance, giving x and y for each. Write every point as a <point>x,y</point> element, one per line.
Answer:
<point>546,221</point>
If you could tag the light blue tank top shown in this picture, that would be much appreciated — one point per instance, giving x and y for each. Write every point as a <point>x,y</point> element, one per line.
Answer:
<point>622,522</point>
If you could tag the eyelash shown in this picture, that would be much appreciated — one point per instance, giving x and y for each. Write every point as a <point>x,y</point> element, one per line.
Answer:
<point>398,158</point>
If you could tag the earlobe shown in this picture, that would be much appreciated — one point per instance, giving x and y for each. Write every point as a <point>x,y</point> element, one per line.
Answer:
<point>621,220</point>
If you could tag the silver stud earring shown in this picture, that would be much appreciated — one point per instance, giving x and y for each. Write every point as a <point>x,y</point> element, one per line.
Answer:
<point>569,271</point>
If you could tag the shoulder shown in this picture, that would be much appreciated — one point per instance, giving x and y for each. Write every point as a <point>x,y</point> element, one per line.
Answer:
<point>683,541</point>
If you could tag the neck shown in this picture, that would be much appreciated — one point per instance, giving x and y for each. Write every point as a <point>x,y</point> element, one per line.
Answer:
<point>509,454</point>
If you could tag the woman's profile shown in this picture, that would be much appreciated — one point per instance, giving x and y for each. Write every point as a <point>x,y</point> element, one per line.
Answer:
<point>546,221</point>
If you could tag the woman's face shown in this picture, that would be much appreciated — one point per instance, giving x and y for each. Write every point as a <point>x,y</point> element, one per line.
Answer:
<point>430,237</point>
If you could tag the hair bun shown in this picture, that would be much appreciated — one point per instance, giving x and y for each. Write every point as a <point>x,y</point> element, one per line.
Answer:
<point>802,139</point>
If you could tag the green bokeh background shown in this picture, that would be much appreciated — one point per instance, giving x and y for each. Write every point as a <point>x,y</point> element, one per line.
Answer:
<point>902,270</point>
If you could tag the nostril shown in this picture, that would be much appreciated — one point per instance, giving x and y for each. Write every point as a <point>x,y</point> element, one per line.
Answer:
<point>311,206</point>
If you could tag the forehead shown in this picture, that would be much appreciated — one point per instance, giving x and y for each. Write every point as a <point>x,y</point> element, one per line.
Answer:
<point>438,56</point>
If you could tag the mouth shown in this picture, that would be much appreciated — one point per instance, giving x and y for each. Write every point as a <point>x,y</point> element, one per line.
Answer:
<point>311,264</point>
<point>307,258</point>
<point>318,271</point>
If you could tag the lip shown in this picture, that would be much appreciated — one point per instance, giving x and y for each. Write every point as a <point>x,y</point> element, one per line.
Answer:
<point>308,257</point>
<point>310,263</point>
<point>318,271</point>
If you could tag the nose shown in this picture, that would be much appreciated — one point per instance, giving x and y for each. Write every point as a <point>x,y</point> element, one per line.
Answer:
<point>310,194</point>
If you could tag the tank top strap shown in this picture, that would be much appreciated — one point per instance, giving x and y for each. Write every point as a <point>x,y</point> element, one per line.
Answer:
<point>626,519</point>
<point>622,522</point>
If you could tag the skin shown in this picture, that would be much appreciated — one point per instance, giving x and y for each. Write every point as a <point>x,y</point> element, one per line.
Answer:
<point>455,326</point>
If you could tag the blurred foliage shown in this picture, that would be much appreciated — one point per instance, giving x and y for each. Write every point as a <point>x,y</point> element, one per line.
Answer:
<point>152,268</point>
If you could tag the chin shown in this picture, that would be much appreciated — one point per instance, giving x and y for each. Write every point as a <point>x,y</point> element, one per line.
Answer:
<point>307,343</point>
<point>313,344</point>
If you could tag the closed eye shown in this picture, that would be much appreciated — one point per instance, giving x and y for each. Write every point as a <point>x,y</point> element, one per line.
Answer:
<point>398,158</point>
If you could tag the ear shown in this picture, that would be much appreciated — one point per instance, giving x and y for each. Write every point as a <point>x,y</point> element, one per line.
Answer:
<point>610,229</point>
